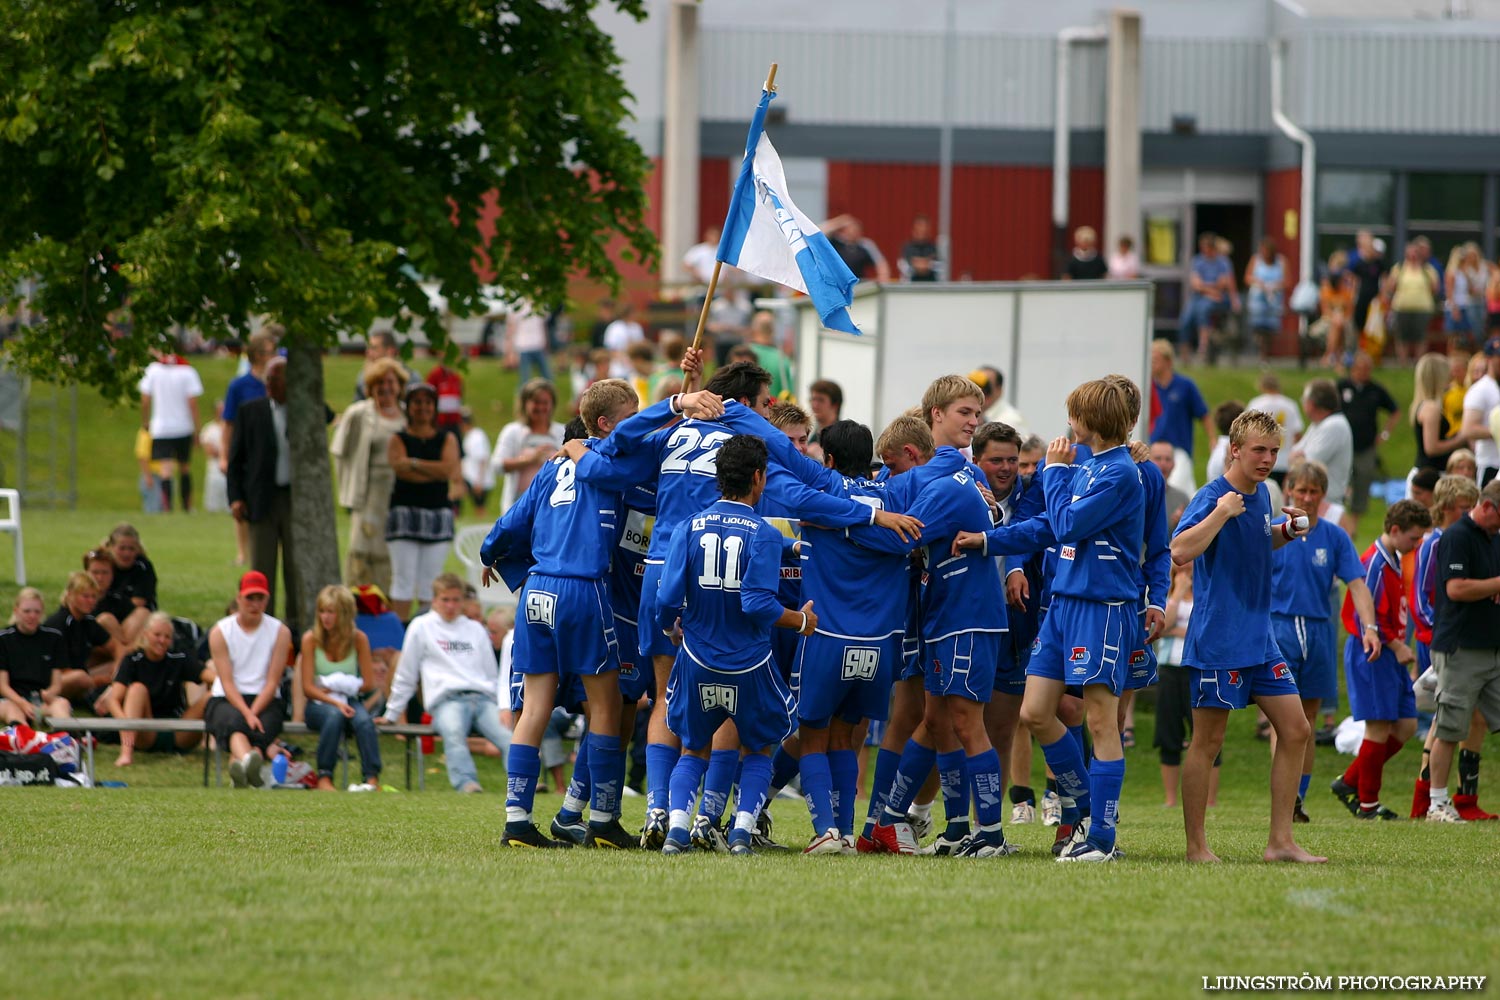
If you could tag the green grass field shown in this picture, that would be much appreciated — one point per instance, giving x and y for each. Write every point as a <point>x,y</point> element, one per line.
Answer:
<point>167,889</point>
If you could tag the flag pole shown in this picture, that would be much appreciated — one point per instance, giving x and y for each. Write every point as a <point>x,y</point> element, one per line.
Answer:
<point>713,281</point>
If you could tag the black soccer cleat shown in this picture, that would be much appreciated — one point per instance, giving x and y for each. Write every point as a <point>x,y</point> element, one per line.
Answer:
<point>527,835</point>
<point>1345,794</point>
<point>611,836</point>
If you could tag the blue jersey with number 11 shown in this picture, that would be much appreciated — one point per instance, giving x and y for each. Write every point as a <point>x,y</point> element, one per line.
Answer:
<point>720,577</point>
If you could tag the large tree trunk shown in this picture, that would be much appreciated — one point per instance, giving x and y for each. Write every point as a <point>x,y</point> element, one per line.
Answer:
<point>315,542</point>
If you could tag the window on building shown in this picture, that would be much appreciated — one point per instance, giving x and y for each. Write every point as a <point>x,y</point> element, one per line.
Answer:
<point>1351,200</point>
<point>1447,209</point>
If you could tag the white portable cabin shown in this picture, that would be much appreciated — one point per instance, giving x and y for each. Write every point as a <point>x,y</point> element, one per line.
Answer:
<point>1045,336</point>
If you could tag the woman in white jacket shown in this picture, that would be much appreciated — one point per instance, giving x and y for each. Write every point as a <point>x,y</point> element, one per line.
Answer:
<point>363,472</point>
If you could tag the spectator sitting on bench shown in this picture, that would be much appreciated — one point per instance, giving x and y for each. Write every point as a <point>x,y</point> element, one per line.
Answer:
<point>133,591</point>
<point>32,656</point>
<point>110,609</point>
<point>452,657</point>
<point>153,683</point>
<point>373,616</point>
<point>336,665</point>
<point>250,650</point>
<point>91,650</point>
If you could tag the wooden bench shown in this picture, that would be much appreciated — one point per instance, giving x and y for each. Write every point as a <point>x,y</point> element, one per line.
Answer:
<point>412,731</point>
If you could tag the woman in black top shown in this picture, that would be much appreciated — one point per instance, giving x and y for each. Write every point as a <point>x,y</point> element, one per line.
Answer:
<point>152,684</point>
<point>135,580</point>
<point>91,651</point>
<point>419,527</point>
<point>31,661</point>
<point>1436,438</point>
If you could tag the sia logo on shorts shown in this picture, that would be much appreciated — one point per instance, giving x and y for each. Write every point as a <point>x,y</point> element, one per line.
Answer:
<point>712,696</point>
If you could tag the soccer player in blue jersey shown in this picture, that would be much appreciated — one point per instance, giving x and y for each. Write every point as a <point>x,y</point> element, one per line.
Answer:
<point>1302,574</point>
<point>625,570</point>
<point>845,669</point>
<point>1226,532</point>
<point>718,599</point>
<point>1095,511</point>
<point>963,622</point>
<point>680,458</point>
<point>567,529</point>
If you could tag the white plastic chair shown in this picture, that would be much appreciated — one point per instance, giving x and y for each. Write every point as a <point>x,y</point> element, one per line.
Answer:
<point>12,523</point>
<point>466,545</point>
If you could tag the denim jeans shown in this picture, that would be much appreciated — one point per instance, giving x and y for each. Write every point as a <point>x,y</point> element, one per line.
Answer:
<point>454,718</point>
<point>331,725</point>
<point>1201,312</point>
<point>533,364</point>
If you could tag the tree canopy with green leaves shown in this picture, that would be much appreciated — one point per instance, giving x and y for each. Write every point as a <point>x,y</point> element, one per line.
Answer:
<point>309,162</point>
<point>211,164</point>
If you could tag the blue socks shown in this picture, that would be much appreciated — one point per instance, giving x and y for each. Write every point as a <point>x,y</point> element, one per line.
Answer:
<point>953,778</point>
<point>984,773</point>
<point>1302,786</point>
<point>1065,758</point>
<point>817,789</point>
<point>606,761</point>
<point>523,767</point>
<point>783,769</point>
<point>1105,779</point>
<point>686,776</point>
<point>660,760</point>
<point>755,783</point>
<point>916,764</point>
<point>886,762</point>
<point>579,788</point>
<point>843,766</point>
<point>1083,744</point>
<point>722,765</point>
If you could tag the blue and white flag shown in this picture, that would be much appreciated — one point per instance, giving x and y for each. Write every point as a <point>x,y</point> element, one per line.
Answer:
<point>765,234</point>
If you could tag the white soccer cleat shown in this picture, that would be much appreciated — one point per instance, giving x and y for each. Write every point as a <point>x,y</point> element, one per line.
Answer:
<point>921,826</point>
<point>851,844</point>
<point>707,837</point>
<point>654,833</point>
<point>1022,813</point>
<point>945,846</point>
<point>1051,810</point>
<point>1444,813</point>
<point>1087,854</point>
<point>828,842</point>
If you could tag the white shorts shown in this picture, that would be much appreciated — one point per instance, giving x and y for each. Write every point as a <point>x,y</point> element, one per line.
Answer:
<point>414,565</point>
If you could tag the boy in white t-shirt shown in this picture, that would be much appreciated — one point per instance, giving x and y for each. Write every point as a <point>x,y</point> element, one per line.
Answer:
<point>1287,413</point>
<point>250,651</point>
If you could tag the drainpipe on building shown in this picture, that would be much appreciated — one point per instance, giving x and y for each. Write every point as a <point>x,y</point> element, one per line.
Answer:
<point>1307,289</point>
<point>1066,38</point>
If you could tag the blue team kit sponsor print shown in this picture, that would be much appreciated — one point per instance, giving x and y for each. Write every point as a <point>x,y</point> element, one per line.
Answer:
<point>861,663</point>
<point>712,696</point>
<point>541,608</point>
<point>1281,671</point>
<point>627,670</point>
<point>1067,552</point>
<point>1079,655</point>
<point>1234,678</point>
<point>1138,666</point>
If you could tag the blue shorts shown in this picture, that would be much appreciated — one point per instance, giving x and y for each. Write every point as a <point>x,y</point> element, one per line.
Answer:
<point>911,657</point>
<point>570,693</point>
<point>636,677</point>
<point>649,639</point>
<point>564,626</point>
<point>1424,656</point>
<point>1084,642</point>
<point>962,664</point>
<point>785,644</point>
<point>1379,690</point>
<point>1010,672</point>
<point>1233,689</point>
<point>701,699</point>
<point>844,677</point>
<point>1307,645</point>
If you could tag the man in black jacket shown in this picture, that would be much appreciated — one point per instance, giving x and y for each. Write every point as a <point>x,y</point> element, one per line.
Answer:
<point>260,487</point>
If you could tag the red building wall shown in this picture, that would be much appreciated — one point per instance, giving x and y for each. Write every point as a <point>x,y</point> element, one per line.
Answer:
<point>1001,214</point>
<point>1283,195</point>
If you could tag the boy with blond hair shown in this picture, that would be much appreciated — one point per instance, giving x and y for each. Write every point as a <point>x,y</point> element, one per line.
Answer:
<point>1226,532</point>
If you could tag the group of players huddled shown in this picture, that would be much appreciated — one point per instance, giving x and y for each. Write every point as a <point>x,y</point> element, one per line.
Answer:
<point>773,605</point>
